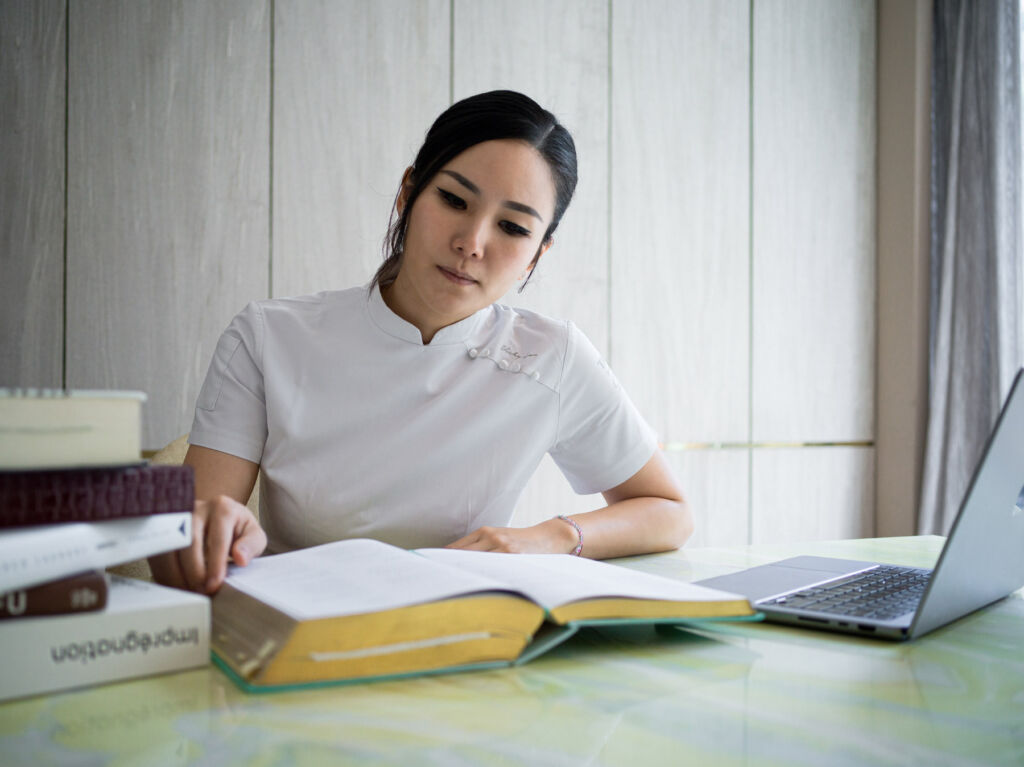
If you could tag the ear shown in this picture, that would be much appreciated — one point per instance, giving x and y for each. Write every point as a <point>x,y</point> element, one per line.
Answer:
<point>533,264</point>
<point>404,191</point>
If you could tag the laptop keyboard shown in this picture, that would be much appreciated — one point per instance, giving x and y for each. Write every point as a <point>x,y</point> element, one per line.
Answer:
<point>882,593</point>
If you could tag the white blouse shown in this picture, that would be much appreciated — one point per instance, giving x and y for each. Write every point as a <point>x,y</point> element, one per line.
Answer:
<point>362,431</point>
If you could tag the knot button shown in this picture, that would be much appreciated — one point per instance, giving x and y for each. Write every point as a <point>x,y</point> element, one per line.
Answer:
<point>473,353</point>
<point>503,364</point>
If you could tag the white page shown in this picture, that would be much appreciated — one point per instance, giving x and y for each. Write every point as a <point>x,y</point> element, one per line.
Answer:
<point>351,577</point>
<point>557,579</point>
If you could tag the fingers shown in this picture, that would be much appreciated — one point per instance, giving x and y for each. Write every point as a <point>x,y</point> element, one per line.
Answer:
<point>488,539</point>
<point>219,526</point>
<point>250,541</point>
<point>230,529</point>
<point>543,538</point>
<point>466,541</point>
<point>192,560</point>
<point>220,533</point>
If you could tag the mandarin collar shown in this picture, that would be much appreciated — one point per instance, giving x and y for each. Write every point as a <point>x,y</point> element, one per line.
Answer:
<point>389,322</point>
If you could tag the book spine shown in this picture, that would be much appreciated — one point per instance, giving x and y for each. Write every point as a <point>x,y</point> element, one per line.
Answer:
<point>64,652</point>
<point>84,592</point>
<point>34,555</point>
<point>49,497</point>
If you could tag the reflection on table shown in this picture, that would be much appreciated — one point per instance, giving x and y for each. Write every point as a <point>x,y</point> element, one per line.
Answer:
<point>726,693</point>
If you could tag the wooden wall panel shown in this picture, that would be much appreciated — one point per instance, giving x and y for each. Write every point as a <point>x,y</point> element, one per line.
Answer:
<point>175,218</point>
<point>168,192</point>
<point>356,85</point>
<point>715,483</point>
<point>32,91</point>
<point>814,220</point>
<point>812,493</point>
<point>562,64</point>
<point>680,214</point>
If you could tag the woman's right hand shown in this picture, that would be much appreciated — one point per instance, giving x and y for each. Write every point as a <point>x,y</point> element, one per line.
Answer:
<point>221,527</point>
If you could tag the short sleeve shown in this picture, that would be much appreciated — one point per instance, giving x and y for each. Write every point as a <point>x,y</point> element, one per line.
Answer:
<point>231,411</point>
<point>602,440</point>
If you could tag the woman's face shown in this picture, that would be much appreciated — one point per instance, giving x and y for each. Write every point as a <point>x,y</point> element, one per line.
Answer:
<point>473,231</point>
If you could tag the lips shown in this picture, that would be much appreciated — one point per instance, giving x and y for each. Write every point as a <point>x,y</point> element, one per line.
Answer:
<point>454,275</point>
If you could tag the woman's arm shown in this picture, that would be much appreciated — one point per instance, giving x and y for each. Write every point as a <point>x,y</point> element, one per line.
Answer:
<point>646,513</point>
<point>222,525</point>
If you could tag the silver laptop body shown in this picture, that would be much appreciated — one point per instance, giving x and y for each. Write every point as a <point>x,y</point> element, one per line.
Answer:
<point>982,561</point>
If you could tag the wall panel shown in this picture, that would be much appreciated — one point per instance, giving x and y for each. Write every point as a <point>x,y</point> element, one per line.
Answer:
<point>806,494</point>
<point>715,483</point>
<point>814,220</point>
<point>220,152</point>
<point>167,195</point>
<point>32,92</point>
<point>680,212</point>
<point>356,85</point>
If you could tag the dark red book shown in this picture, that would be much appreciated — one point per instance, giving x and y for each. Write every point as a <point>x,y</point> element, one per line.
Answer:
<point>80,593</point>
<point>91,495</point>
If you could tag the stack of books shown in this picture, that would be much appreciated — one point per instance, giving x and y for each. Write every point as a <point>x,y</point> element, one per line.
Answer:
<point>75,498</point>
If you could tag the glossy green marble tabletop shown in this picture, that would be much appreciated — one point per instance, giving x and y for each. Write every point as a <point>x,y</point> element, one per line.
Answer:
<point>730,694</point>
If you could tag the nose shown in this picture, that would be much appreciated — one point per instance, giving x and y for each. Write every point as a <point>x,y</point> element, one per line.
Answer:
<point>469,239</point>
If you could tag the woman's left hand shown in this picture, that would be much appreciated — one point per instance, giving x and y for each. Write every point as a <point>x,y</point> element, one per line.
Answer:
<point>553,536</point>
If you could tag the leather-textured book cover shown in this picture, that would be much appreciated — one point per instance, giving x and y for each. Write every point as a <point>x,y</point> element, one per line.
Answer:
<point>84,592</point>
<point>90,495</point>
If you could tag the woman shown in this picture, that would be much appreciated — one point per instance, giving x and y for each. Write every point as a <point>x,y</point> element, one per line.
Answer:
<point>415,409</point>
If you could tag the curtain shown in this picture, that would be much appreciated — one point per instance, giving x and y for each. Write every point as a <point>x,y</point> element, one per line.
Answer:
<point>975,324</point>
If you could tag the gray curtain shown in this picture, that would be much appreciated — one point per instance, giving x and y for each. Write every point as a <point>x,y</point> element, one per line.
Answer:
<point>976,337</point>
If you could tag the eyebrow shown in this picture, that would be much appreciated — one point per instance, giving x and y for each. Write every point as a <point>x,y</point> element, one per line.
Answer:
<point>507,203</point>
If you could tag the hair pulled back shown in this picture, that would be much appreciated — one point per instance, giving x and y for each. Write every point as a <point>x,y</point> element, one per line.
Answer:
<point>483,117</point>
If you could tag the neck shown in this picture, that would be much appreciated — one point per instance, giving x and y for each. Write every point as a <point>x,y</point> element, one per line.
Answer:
<point>394,302</point>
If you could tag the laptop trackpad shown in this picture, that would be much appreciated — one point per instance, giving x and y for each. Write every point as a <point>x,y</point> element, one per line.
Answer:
<point>779,577</point>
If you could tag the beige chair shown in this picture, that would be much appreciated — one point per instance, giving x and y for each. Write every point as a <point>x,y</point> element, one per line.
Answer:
<point>174,453</point>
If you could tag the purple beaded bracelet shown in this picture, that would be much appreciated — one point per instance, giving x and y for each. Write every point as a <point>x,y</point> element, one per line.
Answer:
<point>579,546</point>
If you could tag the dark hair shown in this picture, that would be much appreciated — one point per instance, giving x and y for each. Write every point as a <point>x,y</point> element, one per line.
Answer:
<point>483,117</point>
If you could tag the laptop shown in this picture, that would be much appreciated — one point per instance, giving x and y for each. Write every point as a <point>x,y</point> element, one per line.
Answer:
<point>982,561</point>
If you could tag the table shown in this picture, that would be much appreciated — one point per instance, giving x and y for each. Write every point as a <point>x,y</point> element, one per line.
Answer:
<point>728,693</point>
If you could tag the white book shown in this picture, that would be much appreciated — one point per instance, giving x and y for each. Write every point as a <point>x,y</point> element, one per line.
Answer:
<point>145,629</point>
<point>75,428</point>
<point>561,579</point>
<point>361,609</point>
<point>42,553</point>
<point>363,576</point>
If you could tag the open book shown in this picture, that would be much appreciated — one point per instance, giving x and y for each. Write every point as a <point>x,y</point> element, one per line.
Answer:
<point>361,609</point>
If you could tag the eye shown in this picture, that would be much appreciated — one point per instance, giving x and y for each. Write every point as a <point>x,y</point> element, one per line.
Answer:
<point>452,199</point>
<point>514,229</point>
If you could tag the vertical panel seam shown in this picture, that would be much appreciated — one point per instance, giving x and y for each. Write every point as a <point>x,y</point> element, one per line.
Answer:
<point>750,273</point>
<point>878,265</point>
<point>608,184</point>
<point>270,155</point>
<point>451,52</point>
<point>67,160</point>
